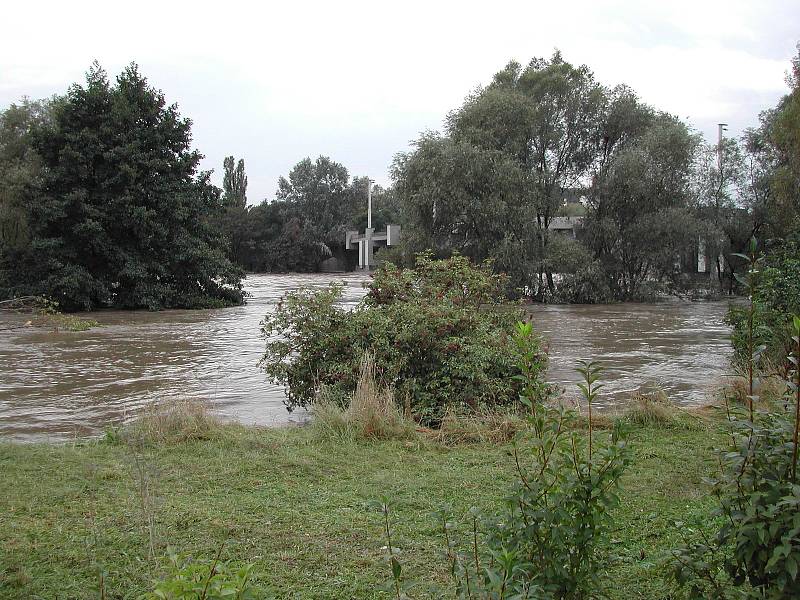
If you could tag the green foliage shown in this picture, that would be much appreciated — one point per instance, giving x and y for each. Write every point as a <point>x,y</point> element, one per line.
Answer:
<point>560,511</point>
<point>307,221</point>
<point>756,550</point>
<point>51,316</point>
<point>639,223</point>
<point>439,334</point>
<point>547,543</point>
<point>775,297</point>
<point>588,285</point>
<point>516,149</point>
<point>324,201</point>
<point>493,185</point>
<point>201,580</point>
<point>234,183</point>
<point>119,215</point>
<point>757,545</point>
<point>20,170</point>
<point>458,197</point>
<point>780,133</point>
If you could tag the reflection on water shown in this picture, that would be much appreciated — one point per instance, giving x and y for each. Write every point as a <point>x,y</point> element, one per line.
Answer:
<point>60,385</point>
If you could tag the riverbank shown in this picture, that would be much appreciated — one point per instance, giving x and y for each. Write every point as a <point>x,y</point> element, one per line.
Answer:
<point>297,506</point>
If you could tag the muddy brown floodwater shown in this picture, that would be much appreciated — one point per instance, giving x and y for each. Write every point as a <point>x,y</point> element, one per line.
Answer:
<point>55,386</point>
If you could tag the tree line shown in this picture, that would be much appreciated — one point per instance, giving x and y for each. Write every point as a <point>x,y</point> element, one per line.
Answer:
<point>306,222</point>
<point>655,194</point>
<point>102,202</point>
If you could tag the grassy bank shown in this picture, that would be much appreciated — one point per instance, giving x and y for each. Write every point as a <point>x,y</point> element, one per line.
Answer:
<point>297,507</point>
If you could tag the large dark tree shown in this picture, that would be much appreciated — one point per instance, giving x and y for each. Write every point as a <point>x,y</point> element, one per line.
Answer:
<point>122,215</point>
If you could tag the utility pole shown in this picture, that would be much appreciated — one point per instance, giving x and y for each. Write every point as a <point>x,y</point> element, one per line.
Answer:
<point>369,202</point>
<point>722,127</point>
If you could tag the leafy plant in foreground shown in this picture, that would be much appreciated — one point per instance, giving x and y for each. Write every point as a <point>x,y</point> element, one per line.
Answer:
<point>546,543</point>
<point>756,549</point>
<point>568,484</point>
<point>750,351</point>
<point>773,285</point>
<point>188,579</point>
<point>397,586</point>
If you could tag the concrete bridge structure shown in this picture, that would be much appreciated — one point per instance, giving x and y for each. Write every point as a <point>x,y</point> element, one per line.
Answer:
<point>369,240</point>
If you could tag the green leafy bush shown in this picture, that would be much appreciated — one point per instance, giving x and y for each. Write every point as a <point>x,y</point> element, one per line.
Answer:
<point>439,333</point>
<point>755,551</point>
<point>775,296</point>
<point>547,543</point>
<point>188,579</point>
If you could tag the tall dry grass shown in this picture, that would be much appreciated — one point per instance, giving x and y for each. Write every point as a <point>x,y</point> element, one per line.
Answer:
<point>650,408</point>
<point>491,426</point>
<point>770,390</point>
<point>172,422</point>
<point>371,413</point>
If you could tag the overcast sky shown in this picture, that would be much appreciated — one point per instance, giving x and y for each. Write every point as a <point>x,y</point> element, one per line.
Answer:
<point>358,81</point>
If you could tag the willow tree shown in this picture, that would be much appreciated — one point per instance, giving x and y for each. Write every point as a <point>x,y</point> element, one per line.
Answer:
<point>545,117</point>
<point>500,171</point>
<point>640,223</point>
<point>20,170</point>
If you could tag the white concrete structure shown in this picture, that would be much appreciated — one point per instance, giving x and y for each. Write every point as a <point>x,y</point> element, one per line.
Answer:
<point>367,243</point>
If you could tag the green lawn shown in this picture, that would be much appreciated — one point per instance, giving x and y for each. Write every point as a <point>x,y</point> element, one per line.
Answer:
<point>298,508</point>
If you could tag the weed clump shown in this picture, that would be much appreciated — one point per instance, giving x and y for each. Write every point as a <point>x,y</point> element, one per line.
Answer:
<point>491,426</point>
<point>767,391</point>
<point>371,413</point>
<point>651,409</point>
<point>172,422</point>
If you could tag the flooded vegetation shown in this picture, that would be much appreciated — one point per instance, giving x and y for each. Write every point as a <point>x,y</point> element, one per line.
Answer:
<point>57,385</point>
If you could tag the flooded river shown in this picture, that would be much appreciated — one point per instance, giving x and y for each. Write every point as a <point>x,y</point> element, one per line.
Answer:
<point>62,385</point>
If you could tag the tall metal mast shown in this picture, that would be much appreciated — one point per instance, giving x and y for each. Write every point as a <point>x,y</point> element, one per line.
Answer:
<point>369,202</point>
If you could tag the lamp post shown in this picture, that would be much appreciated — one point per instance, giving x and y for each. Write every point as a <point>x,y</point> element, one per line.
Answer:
<point>369,202</point>
<point>722,127</point>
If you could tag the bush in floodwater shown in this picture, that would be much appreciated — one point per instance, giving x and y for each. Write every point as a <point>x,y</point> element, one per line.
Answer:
<point>46,313</point>
<point>371,413</point>
<point>440,334</point>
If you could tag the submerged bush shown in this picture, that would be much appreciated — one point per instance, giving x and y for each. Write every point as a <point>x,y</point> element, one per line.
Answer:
<point>440,335</point>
